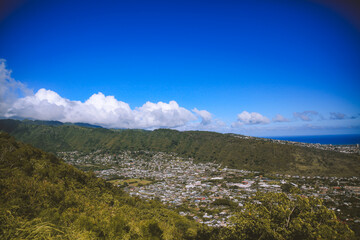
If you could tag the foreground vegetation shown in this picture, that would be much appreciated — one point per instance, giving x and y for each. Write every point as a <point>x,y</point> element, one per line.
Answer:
<point>44,198</point>
<point>231,150</point>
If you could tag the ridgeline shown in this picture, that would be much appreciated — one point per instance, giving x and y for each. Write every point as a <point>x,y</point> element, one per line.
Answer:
<point>233,151</point>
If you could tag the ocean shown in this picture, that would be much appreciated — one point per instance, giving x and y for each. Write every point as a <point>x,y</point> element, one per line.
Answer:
<point>346,139</point>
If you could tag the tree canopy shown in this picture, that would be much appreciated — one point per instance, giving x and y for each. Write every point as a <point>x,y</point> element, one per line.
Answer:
<point>276,216</point>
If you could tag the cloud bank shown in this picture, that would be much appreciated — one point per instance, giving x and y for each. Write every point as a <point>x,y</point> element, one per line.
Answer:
<point>100,109</point>
<point>17,101</point>
<point>107,111</point>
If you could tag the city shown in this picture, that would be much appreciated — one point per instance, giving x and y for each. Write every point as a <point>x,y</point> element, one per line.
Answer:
<point>208,192</point>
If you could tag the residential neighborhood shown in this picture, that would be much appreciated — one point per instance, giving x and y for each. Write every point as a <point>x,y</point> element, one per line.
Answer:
<point>351,148</point>
<point>209,192</point>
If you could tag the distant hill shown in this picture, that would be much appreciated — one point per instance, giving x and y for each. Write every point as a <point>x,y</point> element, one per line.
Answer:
<point>230,150</point>
<point>56,123</point>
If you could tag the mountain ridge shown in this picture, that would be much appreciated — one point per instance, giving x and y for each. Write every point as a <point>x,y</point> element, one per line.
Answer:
<point>234,151</point>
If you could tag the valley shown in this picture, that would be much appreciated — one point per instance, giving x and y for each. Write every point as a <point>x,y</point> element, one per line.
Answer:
<point>206,185</point>
<point>210,193</point>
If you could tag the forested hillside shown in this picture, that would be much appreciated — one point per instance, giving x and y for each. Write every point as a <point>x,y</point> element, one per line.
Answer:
<point>44,198</point>
<point>228,149</point>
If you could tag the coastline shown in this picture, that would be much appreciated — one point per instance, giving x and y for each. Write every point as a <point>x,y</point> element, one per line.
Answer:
<point>343,139</point>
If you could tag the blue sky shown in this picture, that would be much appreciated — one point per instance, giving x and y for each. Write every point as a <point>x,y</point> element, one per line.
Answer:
<point>261,68</point>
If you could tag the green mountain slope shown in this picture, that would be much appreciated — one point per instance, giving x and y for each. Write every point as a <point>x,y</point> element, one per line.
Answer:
<point>44,198</point>
<point>228,149</point>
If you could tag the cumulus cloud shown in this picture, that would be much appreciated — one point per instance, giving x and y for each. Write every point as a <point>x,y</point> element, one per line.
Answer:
<point>100,109</point>
<point>205,116</point>
<point>280,118</point>
<point>337,116</point>
<point>18,101</point>
<point>250,119</point>
<point>306,115</point>
<point>162,115</point>
<point>10,89</point>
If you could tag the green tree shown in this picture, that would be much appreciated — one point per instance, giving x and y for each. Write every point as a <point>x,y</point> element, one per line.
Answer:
<point>276,216</point>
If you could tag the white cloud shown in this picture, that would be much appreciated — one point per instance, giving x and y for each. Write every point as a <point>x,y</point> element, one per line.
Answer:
<point>107,111</point>
<point>306,115</point>
<point>205,116</point>
<point>162,115</point>
<point>100,109</point>
<point>16,100</point>
<point>280,118</point>
<point>10,89</point>
<point>250,119</point>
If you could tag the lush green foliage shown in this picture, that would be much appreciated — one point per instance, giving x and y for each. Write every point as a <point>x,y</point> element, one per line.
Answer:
<point>44,198</point>
<point>228,149</point>
<point>276,216</point>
